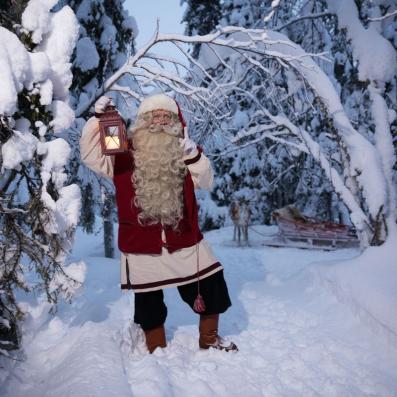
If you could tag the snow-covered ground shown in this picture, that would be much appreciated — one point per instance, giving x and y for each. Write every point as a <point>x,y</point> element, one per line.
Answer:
<point>303,325</point>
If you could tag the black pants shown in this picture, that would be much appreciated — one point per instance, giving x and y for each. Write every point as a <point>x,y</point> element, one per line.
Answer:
<point>151,311</point>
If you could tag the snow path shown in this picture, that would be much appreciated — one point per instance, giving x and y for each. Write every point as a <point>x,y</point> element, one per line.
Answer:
<point>295,338</point>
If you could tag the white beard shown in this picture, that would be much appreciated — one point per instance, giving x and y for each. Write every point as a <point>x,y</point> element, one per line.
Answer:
<point>158,177</point>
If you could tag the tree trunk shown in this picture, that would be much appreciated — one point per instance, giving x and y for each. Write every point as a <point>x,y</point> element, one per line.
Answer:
<point>107,215</point>
<point>108,238</point>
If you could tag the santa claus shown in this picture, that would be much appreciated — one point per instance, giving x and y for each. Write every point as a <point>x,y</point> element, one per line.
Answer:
<point>159,237</point>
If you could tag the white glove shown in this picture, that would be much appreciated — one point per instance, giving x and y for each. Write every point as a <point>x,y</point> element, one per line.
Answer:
<point>102,103</point>
<point>187,144</point>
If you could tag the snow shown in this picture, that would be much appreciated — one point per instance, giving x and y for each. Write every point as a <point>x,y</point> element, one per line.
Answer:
<point>84,11</point>
<point>368,44</point>
<point>240,119</point>
<point>130,23</point>
<point>296,337</point>
<point>65,211</point>
<point>69,206</point>
<point>40,65</point>
<point>14,70</point>
<point>77,272</point>
<point>46,92</point>
<point>384,143</point>
<point>210,56</point>
<point>368,284</point>
<point>58,46</point>
<point>56,154</point>
<point>19,147</point>
<point>48,67</point>
<point>36,18</point>
<point>63,116</point>
<point>108,35</point>
<point>87,57</point>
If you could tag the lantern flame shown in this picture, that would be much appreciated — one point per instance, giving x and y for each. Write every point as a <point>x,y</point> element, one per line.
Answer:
<point>112,142</point>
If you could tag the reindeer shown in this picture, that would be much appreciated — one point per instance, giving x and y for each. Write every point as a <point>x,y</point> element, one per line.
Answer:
<point>240,214</point>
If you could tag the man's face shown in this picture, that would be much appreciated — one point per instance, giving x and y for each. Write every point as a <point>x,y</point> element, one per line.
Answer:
<point>161,117</point>
<point>159,121</point>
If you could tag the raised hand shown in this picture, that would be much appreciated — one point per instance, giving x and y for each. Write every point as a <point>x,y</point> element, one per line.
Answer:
<point>102,103</point>
<point>186,143</point>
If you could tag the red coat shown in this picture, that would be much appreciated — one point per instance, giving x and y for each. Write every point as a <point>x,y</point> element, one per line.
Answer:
<point>137,239</point>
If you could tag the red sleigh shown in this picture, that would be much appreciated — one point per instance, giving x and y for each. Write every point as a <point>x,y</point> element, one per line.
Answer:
<point>298,230</point>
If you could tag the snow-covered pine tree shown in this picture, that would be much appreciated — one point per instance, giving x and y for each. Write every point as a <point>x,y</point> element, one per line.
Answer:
<point>38,211</point>
<point>106,38</point>
<point>245,13</point>
<point>201,17</point>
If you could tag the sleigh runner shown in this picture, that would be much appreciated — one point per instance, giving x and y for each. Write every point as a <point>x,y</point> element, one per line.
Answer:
<point>298,230</point>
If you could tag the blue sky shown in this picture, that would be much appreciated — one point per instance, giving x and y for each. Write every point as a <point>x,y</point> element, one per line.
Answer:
<point>147,11</point>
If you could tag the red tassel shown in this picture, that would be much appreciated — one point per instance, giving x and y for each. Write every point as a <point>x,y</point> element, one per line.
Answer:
<point>199,305</point>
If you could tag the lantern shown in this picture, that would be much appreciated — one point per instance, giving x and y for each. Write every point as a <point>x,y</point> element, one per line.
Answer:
<point>112,132</point>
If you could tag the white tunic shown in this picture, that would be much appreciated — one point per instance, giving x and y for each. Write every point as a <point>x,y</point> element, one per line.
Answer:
<point>148,272</point>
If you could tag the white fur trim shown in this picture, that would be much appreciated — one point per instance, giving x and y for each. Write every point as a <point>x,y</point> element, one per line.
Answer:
<point>158,101</point>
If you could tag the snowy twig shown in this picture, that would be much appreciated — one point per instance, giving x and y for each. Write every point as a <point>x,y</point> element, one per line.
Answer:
<point>12,210</point>
<point>126,90</point>
<point>279,177</point>
<point>390,14</point>
<point>159,57</point>
<point>257,43</point>
<point>274,6</point>
<point>220,59</point>
<point>311,16</point>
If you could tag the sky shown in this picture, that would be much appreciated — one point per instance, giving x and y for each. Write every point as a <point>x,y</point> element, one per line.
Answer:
<point>146,13</point>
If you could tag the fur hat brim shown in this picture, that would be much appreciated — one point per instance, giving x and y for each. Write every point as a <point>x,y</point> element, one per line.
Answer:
<point>158,101</point>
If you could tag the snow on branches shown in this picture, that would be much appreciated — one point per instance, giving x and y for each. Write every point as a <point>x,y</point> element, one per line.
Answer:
<point>38,213</point>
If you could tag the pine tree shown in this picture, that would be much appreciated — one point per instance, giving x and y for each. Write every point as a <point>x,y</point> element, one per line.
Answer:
<point>244,13</point>
<point>38,211</point>
<point>201,17</point>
